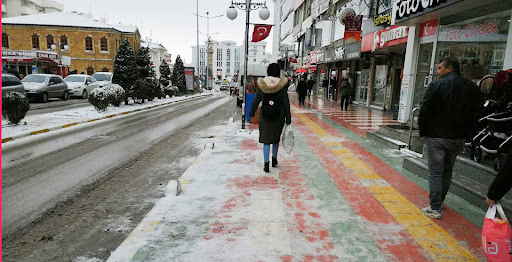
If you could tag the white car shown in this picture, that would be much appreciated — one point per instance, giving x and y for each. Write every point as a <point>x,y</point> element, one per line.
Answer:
<point>80,85</point>
<point>103,78</point>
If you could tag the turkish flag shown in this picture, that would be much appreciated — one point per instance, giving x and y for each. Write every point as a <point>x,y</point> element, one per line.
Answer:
<point>260,32</point>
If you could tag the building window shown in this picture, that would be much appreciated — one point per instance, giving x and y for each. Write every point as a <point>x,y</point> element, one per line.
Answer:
<point>219,57</point>
<point>35,41</point>
<point>49,41</point>
<point>63,41</point>
<point>88,44</point>
<point>104,44</point>
<point>254,60</point>
<point>5,40</point>
<point>104,69</point>
<point>90,70</point>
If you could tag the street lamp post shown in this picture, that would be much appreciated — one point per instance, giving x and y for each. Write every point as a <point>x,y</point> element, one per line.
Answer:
<point>66,47</point>
<point>231,13</point>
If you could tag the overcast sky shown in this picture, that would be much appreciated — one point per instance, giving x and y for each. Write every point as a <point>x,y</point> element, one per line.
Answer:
<point>171,22</point>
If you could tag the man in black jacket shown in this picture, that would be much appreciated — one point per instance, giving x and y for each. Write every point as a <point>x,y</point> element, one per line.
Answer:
<point>447,116</point>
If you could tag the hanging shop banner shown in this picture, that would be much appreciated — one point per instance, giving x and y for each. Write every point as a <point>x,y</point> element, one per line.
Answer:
<point>390,36</point>
<point>404,10</point>
<point>313,56</point>
<point>189,78</point>
<point>324,5</point>
<point>320,56</point>
<point>315,9</point>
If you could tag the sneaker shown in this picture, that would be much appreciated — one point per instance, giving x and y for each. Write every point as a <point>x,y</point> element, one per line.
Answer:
<point>428,211</point>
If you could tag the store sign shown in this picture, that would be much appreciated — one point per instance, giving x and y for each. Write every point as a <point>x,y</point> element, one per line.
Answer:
<point>389,36</point>
<point>407,9</point>
<point>19,53</point>
<point>339,53</point>
<point>189,78</point>
<point>46,55</point>
<point>320,57</point>
<point>472,32</point>
<point>428,28</point>
<point>382,19</point>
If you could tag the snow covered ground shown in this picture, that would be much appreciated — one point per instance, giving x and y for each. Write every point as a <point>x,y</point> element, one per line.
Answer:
<point>77,115</point>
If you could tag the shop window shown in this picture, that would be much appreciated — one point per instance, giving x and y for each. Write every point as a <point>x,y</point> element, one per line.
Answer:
<point>480,51</point>
<point>104,44</point>
<point>88,43</point>
<point>90,70</point>
<point>5,40</point>
<point>63,41</point>
<point>104,69</point>
<point>35,41</point>
<point>49,41</point>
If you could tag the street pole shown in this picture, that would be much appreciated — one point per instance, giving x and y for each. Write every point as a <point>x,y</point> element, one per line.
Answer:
<point>197,36</point>
<point>246,52</point>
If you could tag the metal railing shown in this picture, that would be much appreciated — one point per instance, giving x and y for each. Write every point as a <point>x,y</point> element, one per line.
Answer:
<point>411,118</point>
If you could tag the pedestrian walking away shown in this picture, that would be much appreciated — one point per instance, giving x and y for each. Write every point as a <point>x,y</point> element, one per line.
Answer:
<point>311,82</point>
<point>447,116</point>
<point>345,91</point>
<point>302,90</point>
<point>275,112</point>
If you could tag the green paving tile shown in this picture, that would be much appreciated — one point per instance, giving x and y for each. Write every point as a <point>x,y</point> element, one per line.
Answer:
<point>346,230</point>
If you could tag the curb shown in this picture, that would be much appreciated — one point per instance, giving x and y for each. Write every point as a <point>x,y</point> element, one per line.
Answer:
<point>42,131</point>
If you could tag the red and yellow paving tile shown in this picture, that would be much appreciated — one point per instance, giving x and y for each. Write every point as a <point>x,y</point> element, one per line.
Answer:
<point>335,197</point>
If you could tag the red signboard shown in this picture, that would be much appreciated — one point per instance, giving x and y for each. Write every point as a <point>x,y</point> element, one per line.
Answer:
<point>428,28</point>
<point>390,36</point>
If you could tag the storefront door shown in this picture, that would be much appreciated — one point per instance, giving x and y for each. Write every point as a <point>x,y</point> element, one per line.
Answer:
<point>425,70</point>
<point>362,86</point>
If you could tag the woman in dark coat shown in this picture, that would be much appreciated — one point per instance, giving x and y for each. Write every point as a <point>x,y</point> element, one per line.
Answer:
<point>273,90</point>
<point>302,89</point>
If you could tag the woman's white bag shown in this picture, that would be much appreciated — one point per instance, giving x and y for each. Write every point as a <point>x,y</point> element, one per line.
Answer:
<point>288,139</point>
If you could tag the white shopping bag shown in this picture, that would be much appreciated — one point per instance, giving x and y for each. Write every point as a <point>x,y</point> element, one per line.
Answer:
<point>288,139</point>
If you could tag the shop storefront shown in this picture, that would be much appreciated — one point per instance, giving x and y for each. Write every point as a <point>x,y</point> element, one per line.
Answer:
<point>478,37</point>
<point>380,80</point>
<point>31,61</point>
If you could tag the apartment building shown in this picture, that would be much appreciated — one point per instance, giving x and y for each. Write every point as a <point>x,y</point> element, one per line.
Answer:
<point>12,8</point>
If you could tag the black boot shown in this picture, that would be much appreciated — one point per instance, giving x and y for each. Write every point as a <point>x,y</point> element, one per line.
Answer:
<point>266,168</point>
<point>274,162</point>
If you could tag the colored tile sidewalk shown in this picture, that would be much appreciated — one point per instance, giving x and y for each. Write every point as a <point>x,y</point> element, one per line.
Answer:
<point>336,197</point>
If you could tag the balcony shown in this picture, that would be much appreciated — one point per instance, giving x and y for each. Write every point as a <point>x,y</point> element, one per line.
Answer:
<point>27,11</point>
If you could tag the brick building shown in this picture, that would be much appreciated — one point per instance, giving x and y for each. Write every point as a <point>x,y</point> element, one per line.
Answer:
<point>91,45</point>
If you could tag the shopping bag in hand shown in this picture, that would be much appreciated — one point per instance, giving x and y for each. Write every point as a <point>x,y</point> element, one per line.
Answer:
<point>496,235</point>
<point>288,139</point>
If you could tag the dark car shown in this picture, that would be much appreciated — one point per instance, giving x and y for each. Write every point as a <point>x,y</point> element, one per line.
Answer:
<point>10,83</point>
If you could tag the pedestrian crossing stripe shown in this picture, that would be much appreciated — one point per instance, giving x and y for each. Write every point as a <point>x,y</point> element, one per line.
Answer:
<point>438,243</point>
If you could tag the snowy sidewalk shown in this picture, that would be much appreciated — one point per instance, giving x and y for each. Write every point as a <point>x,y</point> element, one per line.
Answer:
<point>336,197</point>
<point>43,123</point>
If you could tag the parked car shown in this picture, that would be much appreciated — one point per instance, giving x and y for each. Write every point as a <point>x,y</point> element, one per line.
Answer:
<point>103,78</point>
<point>10,83</point>
<point>45,86</point>
<point>80,85</point>
<point>224,86</point>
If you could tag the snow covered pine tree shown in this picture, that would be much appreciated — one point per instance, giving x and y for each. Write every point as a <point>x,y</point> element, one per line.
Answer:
<point>165,75</point>
<point>125,70</point>
<point>178,76</point>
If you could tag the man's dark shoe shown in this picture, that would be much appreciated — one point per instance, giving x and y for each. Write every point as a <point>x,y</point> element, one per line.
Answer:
<point>266,168</point>
<point>274,162</point>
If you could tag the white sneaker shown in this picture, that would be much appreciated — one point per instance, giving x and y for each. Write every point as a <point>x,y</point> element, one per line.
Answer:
<point>428,211</point>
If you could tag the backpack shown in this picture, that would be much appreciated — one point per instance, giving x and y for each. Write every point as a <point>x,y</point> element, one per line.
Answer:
<point>271,106</point>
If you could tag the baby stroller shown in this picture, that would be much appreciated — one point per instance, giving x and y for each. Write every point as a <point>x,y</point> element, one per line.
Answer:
<point>495,123</point>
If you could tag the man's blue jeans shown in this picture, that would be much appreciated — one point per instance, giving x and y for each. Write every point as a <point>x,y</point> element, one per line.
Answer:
<point>442,153</point>
<point>266,151</point>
